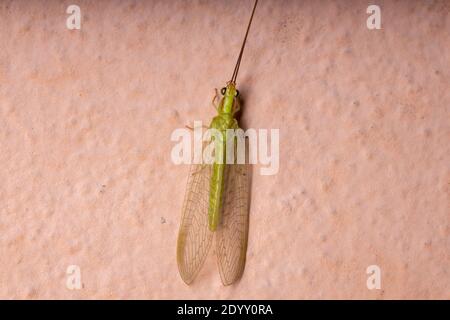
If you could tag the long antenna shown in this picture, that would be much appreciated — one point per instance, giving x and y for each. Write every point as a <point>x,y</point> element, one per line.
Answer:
<point>238,62</point>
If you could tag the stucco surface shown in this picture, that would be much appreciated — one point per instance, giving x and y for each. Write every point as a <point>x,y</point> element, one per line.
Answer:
<point>86,117</point>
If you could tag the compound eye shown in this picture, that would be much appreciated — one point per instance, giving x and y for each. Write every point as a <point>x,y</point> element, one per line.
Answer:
<point>223,90</point>
<point>237,93</point>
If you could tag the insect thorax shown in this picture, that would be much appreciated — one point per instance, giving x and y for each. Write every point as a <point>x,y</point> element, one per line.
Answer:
<point>223,121</point>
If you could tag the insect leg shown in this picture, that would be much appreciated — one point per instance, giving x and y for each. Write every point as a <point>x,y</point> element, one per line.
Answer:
<point>192,129</point>
<point>237,106</point>
<point>215,98</point>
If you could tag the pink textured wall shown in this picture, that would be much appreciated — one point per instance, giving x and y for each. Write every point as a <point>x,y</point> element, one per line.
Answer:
<point>85,123</point>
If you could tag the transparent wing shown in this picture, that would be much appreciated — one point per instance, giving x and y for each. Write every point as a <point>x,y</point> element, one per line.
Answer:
<point>194,237</point>
<point>232,233</point>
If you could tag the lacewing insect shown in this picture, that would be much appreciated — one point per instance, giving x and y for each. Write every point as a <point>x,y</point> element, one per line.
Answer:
<point>216,203</point>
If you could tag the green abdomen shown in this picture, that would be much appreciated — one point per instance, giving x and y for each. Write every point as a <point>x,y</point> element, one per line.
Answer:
<point>217,183</point>
<point>215,195</point>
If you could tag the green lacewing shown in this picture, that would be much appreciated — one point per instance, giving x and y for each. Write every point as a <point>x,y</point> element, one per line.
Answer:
<point>216,203</point>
